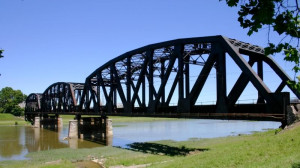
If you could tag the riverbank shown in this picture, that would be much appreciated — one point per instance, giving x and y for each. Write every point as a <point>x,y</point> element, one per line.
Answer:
<point>9,119</point>
<point>264,149</point>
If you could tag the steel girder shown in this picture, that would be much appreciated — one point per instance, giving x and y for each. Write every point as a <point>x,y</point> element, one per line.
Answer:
<point>33,102</point>
<point>136,81</point>
<point>32,106</point>
<point>62,97</point>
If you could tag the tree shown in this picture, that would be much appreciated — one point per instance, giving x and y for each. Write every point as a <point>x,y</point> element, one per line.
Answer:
<point>1,56</point>
<point>1,51</point>
<point>10,100</point>
<point>280,17</point>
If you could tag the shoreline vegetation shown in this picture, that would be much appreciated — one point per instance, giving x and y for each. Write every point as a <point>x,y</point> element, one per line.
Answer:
<point>273,148</point>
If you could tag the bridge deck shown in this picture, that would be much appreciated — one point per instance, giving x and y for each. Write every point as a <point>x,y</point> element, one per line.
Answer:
<point>240,112</point>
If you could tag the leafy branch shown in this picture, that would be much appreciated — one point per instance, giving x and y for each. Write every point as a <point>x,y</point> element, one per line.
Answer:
<point>1,51</point>
<point>280,15</point>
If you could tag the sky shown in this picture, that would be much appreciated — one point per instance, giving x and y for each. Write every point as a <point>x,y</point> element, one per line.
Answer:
<point>52,41</point>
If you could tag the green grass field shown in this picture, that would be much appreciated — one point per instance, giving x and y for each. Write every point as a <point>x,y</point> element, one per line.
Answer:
<point>9,119</point>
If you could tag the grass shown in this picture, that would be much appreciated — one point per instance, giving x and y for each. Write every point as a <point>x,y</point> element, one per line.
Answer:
<point>9,119</point>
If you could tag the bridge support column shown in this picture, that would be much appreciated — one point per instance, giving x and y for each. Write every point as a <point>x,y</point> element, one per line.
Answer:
<point>51,122</point>
<point>37,122</point>
<point>59,122</point>
<point>109,128</point>
<point>97,129</point>
<point>73,129</point>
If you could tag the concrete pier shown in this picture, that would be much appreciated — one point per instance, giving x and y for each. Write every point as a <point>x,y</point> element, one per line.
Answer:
<point>98,129</point>
<point>37,122</point>
<point>59,122</point>
<point>73,129</point>
<point>109,128</point>
<point>51,122</point>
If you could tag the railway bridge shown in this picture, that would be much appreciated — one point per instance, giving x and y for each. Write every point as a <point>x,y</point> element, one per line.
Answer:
<point>135,84</point>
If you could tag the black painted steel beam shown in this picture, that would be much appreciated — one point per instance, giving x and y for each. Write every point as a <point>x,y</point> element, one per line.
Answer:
<point>239,87</point>
<point>196,90</point>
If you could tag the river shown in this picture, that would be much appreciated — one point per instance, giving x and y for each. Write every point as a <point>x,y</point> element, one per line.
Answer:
<point>17,141</point>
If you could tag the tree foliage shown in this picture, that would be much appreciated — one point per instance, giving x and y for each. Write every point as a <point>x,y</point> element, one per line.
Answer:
<point>1,51</point>
<point>10,100</point>
<point>279,16</point>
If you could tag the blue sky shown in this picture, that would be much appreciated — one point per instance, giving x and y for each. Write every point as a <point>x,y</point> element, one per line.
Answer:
<point>66,40</point>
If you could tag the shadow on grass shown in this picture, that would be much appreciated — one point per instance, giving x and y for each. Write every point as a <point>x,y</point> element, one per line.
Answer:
<point>296,165</point>
<point>161,149</point>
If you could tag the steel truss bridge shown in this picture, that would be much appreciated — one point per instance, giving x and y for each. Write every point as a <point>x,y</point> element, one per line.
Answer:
<point>134,84</point>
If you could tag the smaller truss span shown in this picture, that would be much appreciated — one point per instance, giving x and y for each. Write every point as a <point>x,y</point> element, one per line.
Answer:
<point>62,97</point>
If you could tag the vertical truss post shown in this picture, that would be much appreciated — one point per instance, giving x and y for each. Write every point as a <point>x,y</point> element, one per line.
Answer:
<point>115,101</point>
<point>149,55</point>
<point>98,98</point>
<point>53,94</point>
<point>183,107</point>
<point>87,97</point>
<point>144,90</point>
<point>65,96</point>
<point>187,76</point>
<point>59,99</point>
<point>222,105</point>
<point>111,101</point>
<point>260,99</point>
<point>162,76</point>
<point>178,51</point>
<point>128,87</point>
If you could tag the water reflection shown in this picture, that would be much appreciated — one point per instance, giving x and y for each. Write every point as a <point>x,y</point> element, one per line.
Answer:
<point>17,141</point>
<point>10,142</point>
<point>38,139</point>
